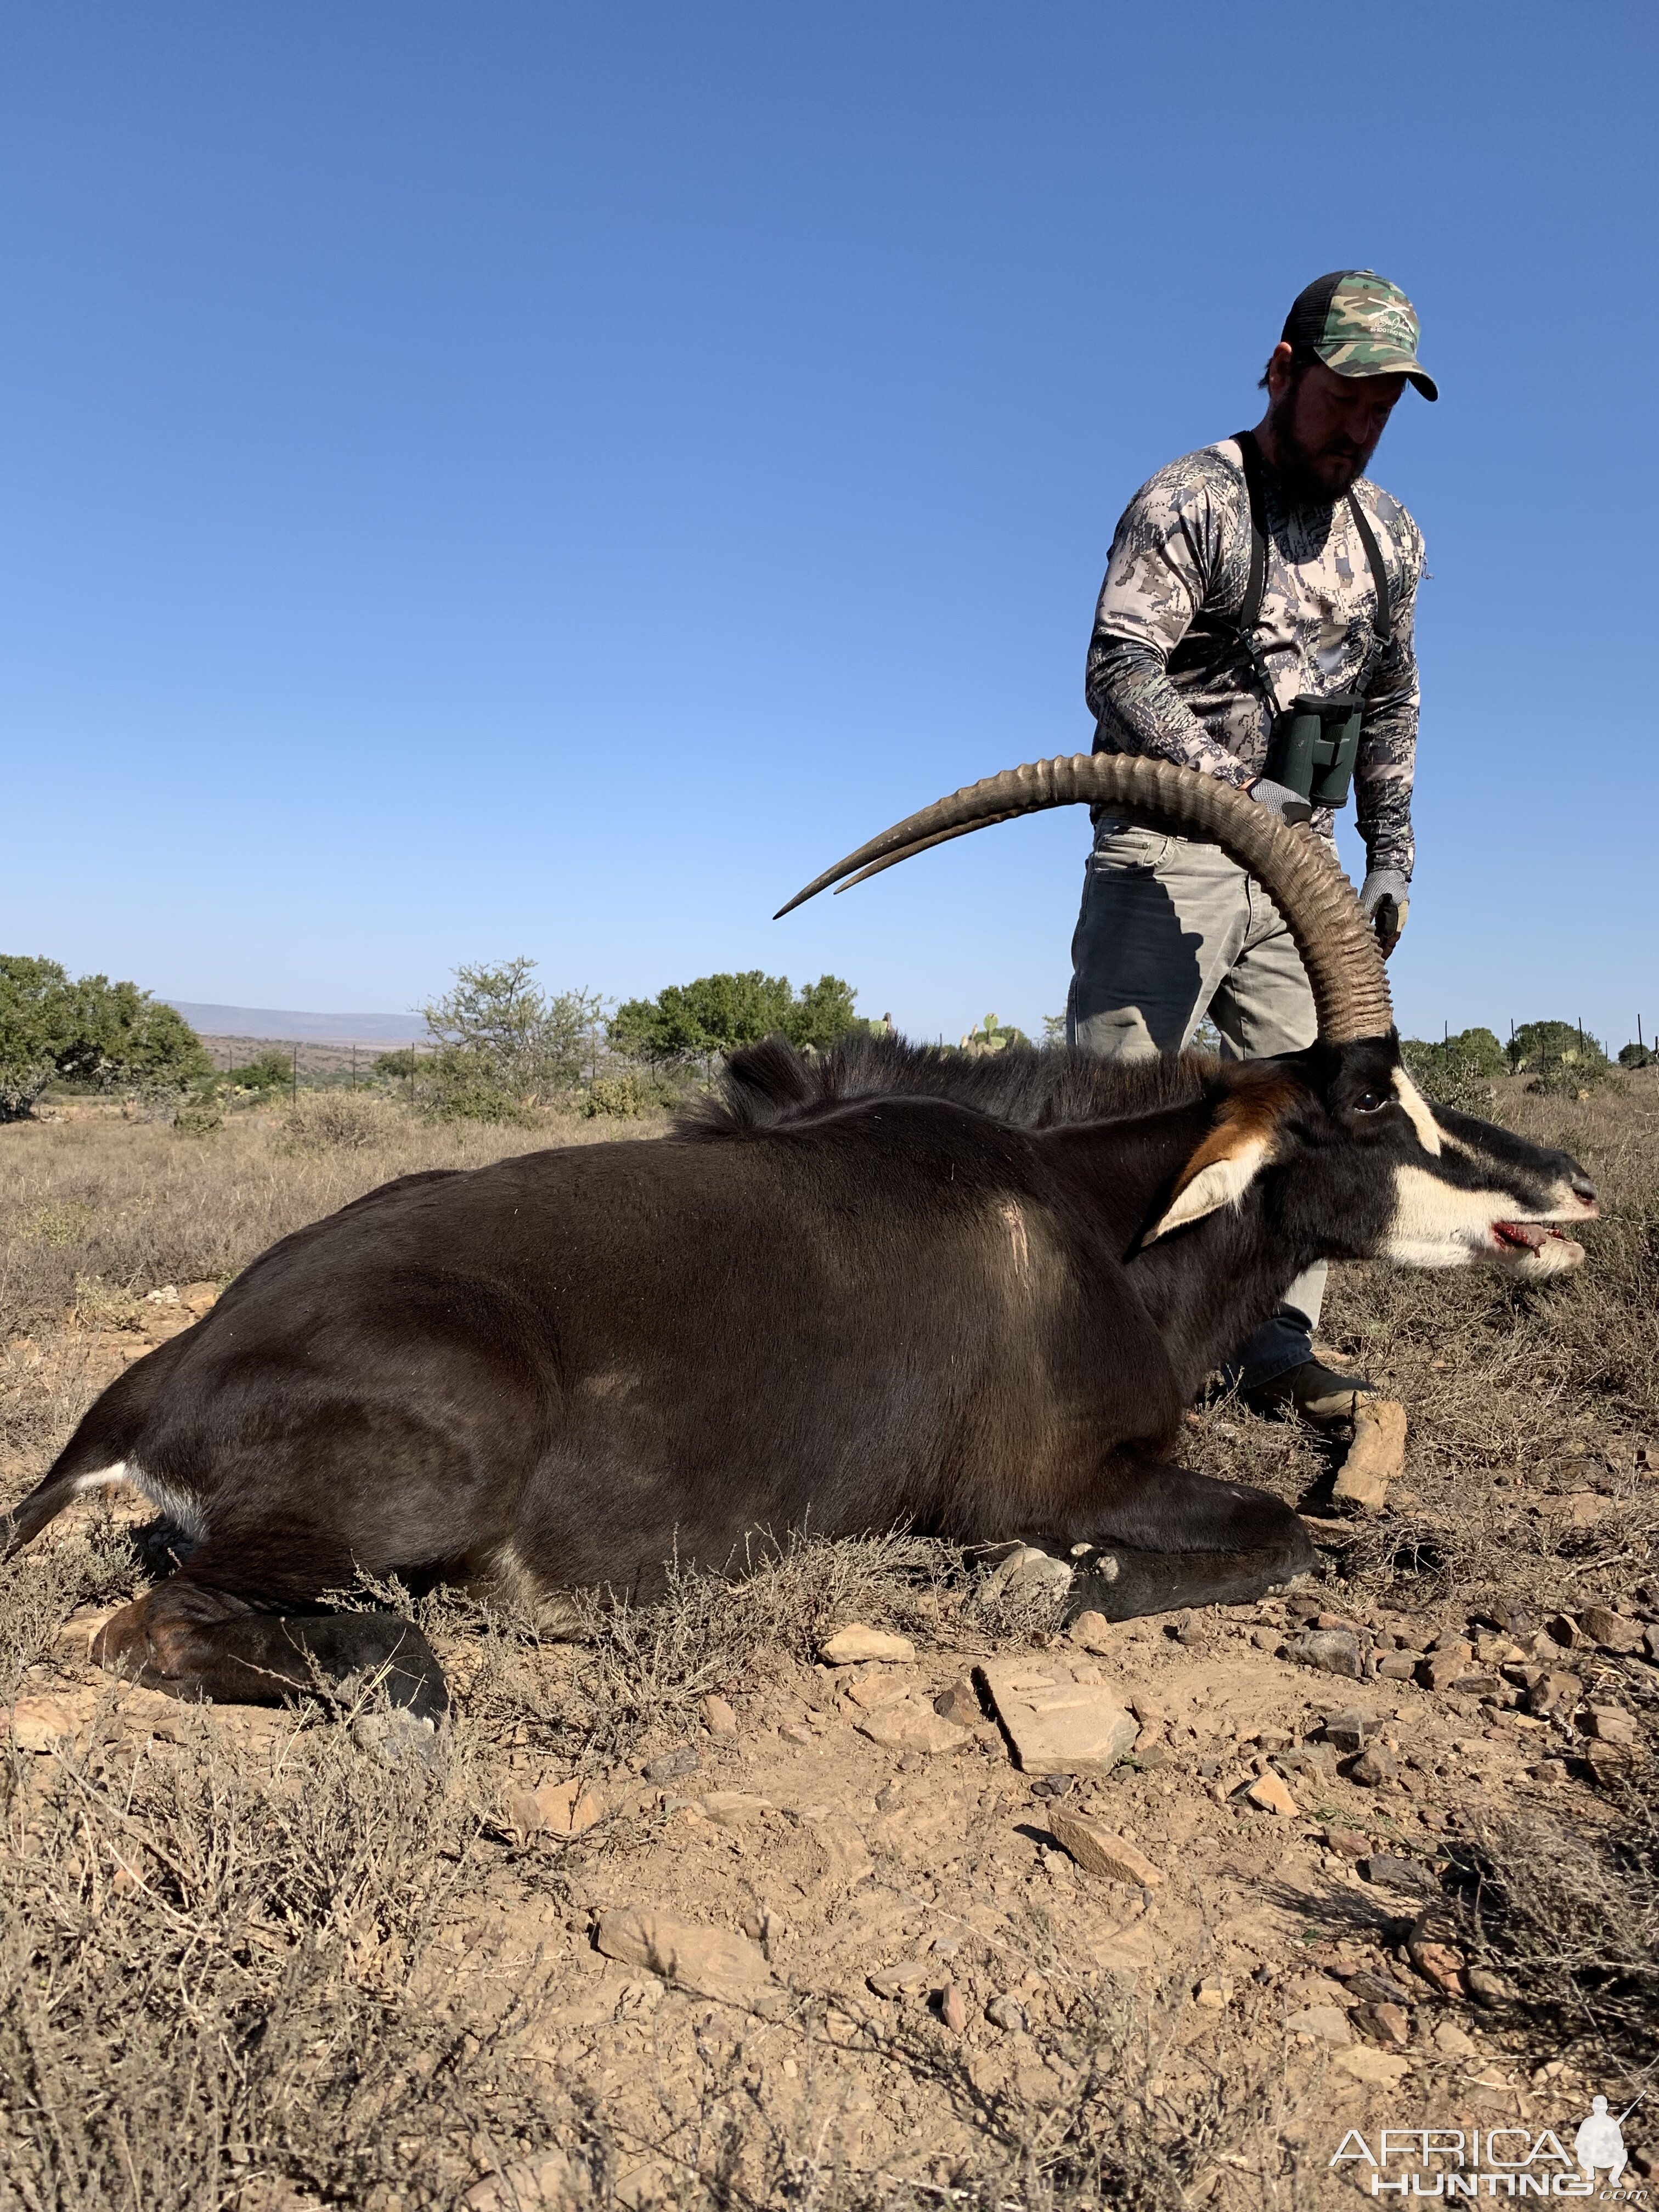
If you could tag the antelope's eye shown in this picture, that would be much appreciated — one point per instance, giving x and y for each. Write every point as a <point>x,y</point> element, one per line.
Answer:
<point>1369,1102</point>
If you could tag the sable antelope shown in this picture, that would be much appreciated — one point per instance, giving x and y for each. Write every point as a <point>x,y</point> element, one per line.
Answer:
<point>891,1285</point>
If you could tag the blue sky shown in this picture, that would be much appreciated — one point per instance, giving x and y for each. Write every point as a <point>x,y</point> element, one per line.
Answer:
<point>525,479</point>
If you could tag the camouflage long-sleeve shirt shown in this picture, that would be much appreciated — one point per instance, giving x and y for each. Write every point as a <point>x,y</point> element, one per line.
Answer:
<point>1165,676</point>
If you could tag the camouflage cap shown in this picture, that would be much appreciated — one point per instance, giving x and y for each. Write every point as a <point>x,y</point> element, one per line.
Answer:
<point>1360,325</point>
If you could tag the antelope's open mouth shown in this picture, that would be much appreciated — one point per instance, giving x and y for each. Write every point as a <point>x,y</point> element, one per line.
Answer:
<point>1524,1236</point>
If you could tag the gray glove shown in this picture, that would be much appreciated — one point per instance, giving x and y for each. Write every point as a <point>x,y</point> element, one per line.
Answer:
<point>1384,899</point>
<point>1279,798</point>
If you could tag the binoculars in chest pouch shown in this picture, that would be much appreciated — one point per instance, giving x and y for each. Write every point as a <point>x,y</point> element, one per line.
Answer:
<point>1314,746</point>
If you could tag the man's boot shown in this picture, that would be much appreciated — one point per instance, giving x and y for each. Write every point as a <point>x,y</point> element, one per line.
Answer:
<point>1317,1392</point>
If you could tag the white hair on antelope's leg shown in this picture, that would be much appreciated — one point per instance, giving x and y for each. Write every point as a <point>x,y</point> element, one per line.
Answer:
<point>1418,1112</point>
<point>176,1506</point>
<point>101,1478</point>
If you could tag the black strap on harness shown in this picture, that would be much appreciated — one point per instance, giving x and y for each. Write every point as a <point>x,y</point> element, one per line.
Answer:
<point>1250,609</point>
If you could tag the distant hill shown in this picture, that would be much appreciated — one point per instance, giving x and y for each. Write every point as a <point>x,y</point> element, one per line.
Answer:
<point>286,1027</point>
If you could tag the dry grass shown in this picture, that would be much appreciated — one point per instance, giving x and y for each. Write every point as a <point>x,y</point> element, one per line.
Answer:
<point>93,1198</point>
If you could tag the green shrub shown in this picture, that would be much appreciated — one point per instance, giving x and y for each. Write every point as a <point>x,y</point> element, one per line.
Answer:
<point>339,1120</point>
<point>1562,1056</point>
<point>462,1083</point>
<point>623,1096</point>
<point>200,1117</point>
<point>271,1070</point>
<point>721,1013</point>
<point>501,1044</point>
<point>103,1035</point>
<point>1638,1055</point>
<point>1457,1071</point>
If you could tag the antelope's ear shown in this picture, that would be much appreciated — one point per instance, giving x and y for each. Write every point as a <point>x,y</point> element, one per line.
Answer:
<point>1241,1140</point>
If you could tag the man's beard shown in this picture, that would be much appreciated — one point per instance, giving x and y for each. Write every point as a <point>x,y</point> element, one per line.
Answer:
<point>1298,474</point>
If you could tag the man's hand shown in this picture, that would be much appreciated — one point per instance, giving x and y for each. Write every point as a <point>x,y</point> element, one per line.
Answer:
<point>1384,899</point>
<point>1279,798</point>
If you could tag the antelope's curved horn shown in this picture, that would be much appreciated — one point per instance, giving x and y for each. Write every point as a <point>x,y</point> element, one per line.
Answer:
<point>1294,867</point>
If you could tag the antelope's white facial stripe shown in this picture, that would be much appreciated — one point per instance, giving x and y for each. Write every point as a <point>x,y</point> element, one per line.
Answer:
<point>1224,1183</point>
<point>1436,1225</point>
<point>1417,1113</point>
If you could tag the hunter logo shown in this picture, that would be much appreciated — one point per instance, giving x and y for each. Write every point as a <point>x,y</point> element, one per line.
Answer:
<point>1452,2163</point>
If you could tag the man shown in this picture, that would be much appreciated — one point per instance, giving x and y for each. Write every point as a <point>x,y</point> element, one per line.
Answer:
<point>1259,596</point>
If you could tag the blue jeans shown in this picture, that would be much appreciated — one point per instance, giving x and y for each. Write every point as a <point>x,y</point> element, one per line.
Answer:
<point>1170,931</point>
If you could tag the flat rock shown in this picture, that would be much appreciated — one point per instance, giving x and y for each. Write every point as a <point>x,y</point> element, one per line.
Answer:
<point>908,1974</point>
<point>858,1641</point>
<point>1028,1572</point>
<point>1325,2023</point>
<point>734,1809</point>
<point>1609,1724</point>
<point>1391,1872</point>
<point>1612,1631</point>
<point>709,1962</point>
<point>879,1686</point>
<point>1554,1693</point>
<point>1332,1650</point>
<point>1388,2022</point>
<point>1376,1457</point>
<point>910,1725</point>
<point>1375,1767</point>
<point>1269,1793</point>
<point>41,1724</point>
<point>1348,1842</point>
<point>1350,1731</point>
<point>1096,1849</point>
<point>1367,2064</point>
<point>718,1717</point>
<point>1056,1725</point>
<point>568,1809</point>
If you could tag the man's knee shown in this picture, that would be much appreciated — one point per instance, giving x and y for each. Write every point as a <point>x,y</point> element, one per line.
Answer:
<point>1114,1033</point>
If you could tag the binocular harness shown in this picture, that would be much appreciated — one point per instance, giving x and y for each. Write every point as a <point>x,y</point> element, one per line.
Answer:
<point>1315,741</point>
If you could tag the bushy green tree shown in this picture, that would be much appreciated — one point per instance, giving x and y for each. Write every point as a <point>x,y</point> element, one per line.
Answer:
<point>35,1028</point>
<point>266,1071</point>
<point>504,1045</point>
<point>1539,1047</point>
<point>719,1013</point>
<point>112,1037</point>
<point>1638,1055</point>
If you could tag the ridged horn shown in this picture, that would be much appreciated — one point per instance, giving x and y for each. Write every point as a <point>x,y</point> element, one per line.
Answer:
<point>1294,867</point>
